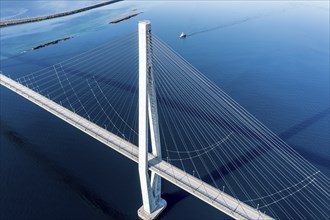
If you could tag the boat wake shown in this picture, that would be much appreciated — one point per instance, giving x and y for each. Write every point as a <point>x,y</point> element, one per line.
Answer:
<point>243,20</point>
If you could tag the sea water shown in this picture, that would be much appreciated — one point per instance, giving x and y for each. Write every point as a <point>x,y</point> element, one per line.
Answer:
<point>271,57</point>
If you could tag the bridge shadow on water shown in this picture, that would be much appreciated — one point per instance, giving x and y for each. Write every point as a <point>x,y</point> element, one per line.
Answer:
<point>246,158</point>
<point>42,63</point>
<point>310,156</point>
<point>60,173</point>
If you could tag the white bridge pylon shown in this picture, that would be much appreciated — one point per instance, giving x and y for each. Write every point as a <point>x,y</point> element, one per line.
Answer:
<point>153,204</point>
<point>147,161</point>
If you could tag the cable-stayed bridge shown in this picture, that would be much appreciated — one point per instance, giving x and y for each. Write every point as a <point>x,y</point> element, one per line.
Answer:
<point>135,91</point>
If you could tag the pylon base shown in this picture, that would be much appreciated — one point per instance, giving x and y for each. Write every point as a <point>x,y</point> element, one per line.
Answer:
<point>150,216</point>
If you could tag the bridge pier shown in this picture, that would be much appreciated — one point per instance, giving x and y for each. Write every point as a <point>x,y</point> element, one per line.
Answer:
<point>153,204</point>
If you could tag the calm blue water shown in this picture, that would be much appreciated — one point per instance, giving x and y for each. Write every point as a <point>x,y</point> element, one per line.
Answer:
<point>271,57</point>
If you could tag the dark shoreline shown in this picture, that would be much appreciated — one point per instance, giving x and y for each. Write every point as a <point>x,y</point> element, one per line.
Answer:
<point>51,43</point>
<point>125,17</point>
<point>41,18</point>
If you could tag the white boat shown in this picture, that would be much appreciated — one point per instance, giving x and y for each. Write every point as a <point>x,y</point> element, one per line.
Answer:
<point>183,35</point>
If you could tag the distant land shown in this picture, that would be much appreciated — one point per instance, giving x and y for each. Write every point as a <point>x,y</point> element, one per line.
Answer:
<point>51,43</point>
<point>11,22</point>
<point>125,17</point>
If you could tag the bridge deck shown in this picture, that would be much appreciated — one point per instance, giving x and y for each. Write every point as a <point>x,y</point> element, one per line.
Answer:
<point>178,177</point>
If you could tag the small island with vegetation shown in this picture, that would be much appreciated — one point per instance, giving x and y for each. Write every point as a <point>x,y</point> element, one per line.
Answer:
<point>133,13</point>
<point>51,43</point>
